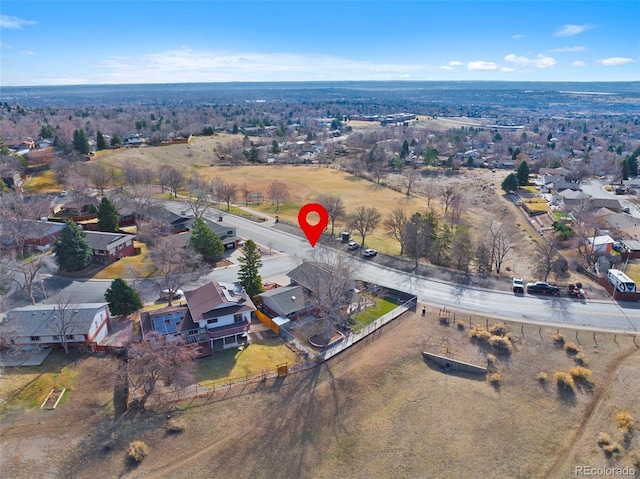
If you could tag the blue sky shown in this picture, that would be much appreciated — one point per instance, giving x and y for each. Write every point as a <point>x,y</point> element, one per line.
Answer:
<point>97,42</point>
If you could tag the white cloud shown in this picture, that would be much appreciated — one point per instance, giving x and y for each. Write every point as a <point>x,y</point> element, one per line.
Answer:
<point>507,70</point>
<point>567,50</point>
<point>482,66</point>
<point>517,36</point>
<point>541,61</point>
<point>27,53</point>
<point>571,30</point>
<point>615,61</point>
<point>455,64</point>
<point>578,63</point>
<point>7,21</point>
<point>447,68</point>
<point>185,64</point>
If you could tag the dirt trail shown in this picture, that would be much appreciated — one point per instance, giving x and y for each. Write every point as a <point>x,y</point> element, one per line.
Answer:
<point>591,407</point>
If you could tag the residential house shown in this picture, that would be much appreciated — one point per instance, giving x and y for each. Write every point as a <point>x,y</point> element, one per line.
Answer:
<point>601,244</point>
<point>170,221</point>
<point>573,200</point>
<point>78,210</point>
<point>37,235</point>
<point>218,314</point>
<point>226,233</point>
<point>43,324</point>
<point>286,302</point>
<point>625,224</point>
<point>608,203</point>
<point>560,186</point>
<point>110,247</point>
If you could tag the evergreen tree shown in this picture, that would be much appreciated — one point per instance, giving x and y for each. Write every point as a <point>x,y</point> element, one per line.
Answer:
<point>80,142</point>
<point>430,156</point>
<point>122,298</point>
<point>47,131</point>
<point>108,217</point>
<point>101,143</point>
<point>250,263</point>
<point>205,241</point>
<point>523,173</point>
<point>625,169</point>
<point>71,248</point>
<point>510,183</point>
<point>404,152</point>
<point>275,148</point>
<point>252,154</point>
<point>115,140</point>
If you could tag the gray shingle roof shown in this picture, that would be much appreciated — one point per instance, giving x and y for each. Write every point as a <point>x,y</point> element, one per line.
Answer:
<point>36,320</point>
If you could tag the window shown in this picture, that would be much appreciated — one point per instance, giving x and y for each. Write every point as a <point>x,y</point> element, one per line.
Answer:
<point>69,336</point>
<point>212,320</point>
<point>35,338</point>
<point>56,338</point>
<point>237,318</point>
<point>230,233</point>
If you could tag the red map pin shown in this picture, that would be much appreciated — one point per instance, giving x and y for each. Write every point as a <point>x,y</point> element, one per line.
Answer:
<point>313,232</point>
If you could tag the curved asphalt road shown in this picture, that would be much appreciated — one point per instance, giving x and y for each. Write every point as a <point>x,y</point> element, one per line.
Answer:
<point>601,315</point>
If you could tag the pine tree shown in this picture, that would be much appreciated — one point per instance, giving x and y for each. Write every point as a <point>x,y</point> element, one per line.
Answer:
<point>250,263</point>
<point>510,183</point>
<point>71,248</point>
<point>108,217</point>
<point>122,298</point>
<point>80,142</point>
<point>523,173</point>
<point>101,143</point>
<point>205,241</point>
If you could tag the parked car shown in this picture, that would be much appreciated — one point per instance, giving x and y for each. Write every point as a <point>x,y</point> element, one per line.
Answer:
<point>177,294</point>
<point>352,246</point>
<point>518,285</point>
<point>542,287</point>
<point>369,253</point>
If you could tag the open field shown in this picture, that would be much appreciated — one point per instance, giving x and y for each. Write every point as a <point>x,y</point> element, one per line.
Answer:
<point>377,410</point>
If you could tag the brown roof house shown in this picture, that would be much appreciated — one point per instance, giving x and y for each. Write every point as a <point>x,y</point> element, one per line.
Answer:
<point>109,247</point>
<point>216,313</point>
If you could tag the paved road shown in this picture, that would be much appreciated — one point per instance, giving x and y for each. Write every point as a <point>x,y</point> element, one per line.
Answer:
<point>289,250</point>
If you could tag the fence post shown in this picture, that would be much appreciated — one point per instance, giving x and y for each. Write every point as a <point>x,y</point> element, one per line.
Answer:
<point>594,338</point>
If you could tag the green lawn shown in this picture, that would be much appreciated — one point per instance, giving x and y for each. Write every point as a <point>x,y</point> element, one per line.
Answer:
<point>30,385</point>
<point>250,361</point>
<point>369,315</point>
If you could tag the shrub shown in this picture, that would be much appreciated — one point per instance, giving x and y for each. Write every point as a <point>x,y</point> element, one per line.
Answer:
<point>499,329</point>
<point>137,451</point>
<point>603,439</point>
<point>581,374</point>
<point>542,377</point>
<point>571,348</point>
<point>634,456</point>
<point>564,381</point>
<point>501,343</point>
<point>460,325</point>
<point>174,426</point>
<point>581,359</point>
<point>625,421</point>
<point>478,332</point>
<point>495,379</point>
<point>559,339</point>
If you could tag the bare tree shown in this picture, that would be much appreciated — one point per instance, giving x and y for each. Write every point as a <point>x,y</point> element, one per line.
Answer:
<point>396,223</point>
<point>447,194</point>
<point>335,208</point>
<point>501,237</point>
<point>279,193</point>
<point>64,320</point>
<point>172,178</point>
<point>457,206</point>
<point>199,195</point>
<point>99,177</point>
<point>174,264</point>
<point>224,191</point>
<point>132,174</point>
<point>378,171</point>
<point>330,276</point>
<point>409,180</point>
<point>159,360</point>
<point>23,273</point>
<point>546,254</point>
<point>18,217</point>
<point>586,228</point>
<point>364,220</point>
<point>430,191</point>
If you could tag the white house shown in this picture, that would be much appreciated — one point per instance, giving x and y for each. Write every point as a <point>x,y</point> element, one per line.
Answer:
<point>45,324</point>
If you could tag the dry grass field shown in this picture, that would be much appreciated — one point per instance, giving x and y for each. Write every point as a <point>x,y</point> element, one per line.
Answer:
<point>376,411</point>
